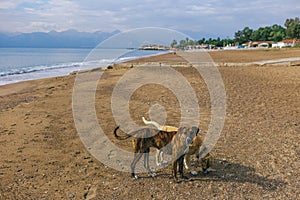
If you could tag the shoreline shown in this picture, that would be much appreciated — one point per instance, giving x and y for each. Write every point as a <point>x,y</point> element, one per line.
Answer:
<point>280,57</point>
<point>39,69</point>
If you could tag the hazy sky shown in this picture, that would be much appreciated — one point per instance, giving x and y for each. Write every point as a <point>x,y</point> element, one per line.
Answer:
<point>215,17</point>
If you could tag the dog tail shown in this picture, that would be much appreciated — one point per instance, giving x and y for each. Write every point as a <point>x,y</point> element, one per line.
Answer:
<point>158,126</point>
<point>120,137</point>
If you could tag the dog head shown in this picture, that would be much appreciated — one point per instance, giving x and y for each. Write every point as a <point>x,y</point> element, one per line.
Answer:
<point>182,140</point>
<point>185,137</point>
<point>188,134</point>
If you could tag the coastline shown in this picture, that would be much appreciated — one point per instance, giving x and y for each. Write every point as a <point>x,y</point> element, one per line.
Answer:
<point>19,64</point>
<point>221,58</point>
<point>256,156</point>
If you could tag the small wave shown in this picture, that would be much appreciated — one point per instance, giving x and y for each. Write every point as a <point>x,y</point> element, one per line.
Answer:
<point>139,54</point>
<point>44,68</point>
<point>124,59</point>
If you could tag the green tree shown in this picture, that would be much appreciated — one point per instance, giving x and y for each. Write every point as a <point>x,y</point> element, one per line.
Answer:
<point>238,36</point>
<point>292,28</point>
<point>243,36</point>
<point>255,36</point>
<point>191,42</point>
<point>182,44</point>
<point>187,40</point>
<point>174,43</point>
<point>265,33</point>
<point>217,42</point>
<point>277,33</point>
<point>202,41</point>
<point>272,33</point>
<point>247,32</point>
<point>209,41</point>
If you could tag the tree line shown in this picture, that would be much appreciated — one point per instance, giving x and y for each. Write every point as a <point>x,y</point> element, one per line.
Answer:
<point>291,30</point>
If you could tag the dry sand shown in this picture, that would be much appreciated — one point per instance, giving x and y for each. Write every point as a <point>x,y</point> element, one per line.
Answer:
<point>42,156</point>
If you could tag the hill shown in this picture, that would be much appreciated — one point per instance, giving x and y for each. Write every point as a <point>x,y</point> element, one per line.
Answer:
<point>54,39</point>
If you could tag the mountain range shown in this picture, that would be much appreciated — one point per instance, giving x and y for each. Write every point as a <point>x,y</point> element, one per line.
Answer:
<point>54,39</point>
<point>65,39</point>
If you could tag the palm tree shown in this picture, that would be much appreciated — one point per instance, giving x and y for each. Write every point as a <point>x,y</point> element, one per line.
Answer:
<point>174,43</point>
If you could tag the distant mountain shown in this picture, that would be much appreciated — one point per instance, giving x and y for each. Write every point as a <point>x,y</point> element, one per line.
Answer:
<point>54,39</point>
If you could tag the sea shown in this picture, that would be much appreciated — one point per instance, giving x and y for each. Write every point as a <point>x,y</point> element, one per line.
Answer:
<point>22,64</point>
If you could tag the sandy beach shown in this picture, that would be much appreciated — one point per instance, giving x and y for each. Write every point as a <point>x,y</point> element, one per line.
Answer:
<point>256,157</point>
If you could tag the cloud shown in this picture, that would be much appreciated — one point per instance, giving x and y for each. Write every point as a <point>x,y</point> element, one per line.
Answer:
<point>12,4</point>
<point>7,5</point>
<point>43,26</point>
<point>211,16</point>
<point>201,10</point>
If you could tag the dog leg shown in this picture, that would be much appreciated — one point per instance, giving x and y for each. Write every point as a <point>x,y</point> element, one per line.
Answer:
<point>174,170</point>
<point>186,161</point>
<point>180,163</point>
<point>158,156</point>
<point>146,160</point>
<point>146,163</point>
<point>206,164</point>
<point>137,157</point>
<point>163,161</point>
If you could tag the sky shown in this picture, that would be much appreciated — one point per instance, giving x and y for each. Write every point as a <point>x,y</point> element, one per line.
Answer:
<point>210,17</point>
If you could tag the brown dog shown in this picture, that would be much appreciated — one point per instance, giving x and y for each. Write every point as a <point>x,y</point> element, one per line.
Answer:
<point>194,149</point>
<point>180,147</point>
<point>149,137</point>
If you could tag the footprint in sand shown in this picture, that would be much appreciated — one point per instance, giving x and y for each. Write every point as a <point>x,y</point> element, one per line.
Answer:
<point>91,193</point>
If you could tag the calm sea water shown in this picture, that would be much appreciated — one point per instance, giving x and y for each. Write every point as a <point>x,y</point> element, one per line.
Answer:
<point>21,64</point>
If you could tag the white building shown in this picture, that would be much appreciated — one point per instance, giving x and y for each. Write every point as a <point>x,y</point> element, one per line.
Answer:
<point>285,43</point>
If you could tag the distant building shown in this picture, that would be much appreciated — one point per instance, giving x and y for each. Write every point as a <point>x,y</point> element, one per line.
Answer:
<point>154,47</point>
<point>286,43</point>
<point>259,44</point>
<point>263,45</point>
<point>195,47</point>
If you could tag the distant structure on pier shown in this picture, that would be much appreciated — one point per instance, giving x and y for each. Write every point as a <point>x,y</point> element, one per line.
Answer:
<point>154,47</point>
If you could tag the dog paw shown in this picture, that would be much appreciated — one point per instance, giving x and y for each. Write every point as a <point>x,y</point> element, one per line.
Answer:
<point>209,170</point>
<point>135,177</point>
<point>153,175</point>
<point>194,173</point>
<point>164,162</point>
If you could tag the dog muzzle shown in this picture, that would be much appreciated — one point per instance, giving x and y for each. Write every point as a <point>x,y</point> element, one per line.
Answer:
<point>188,141</point>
